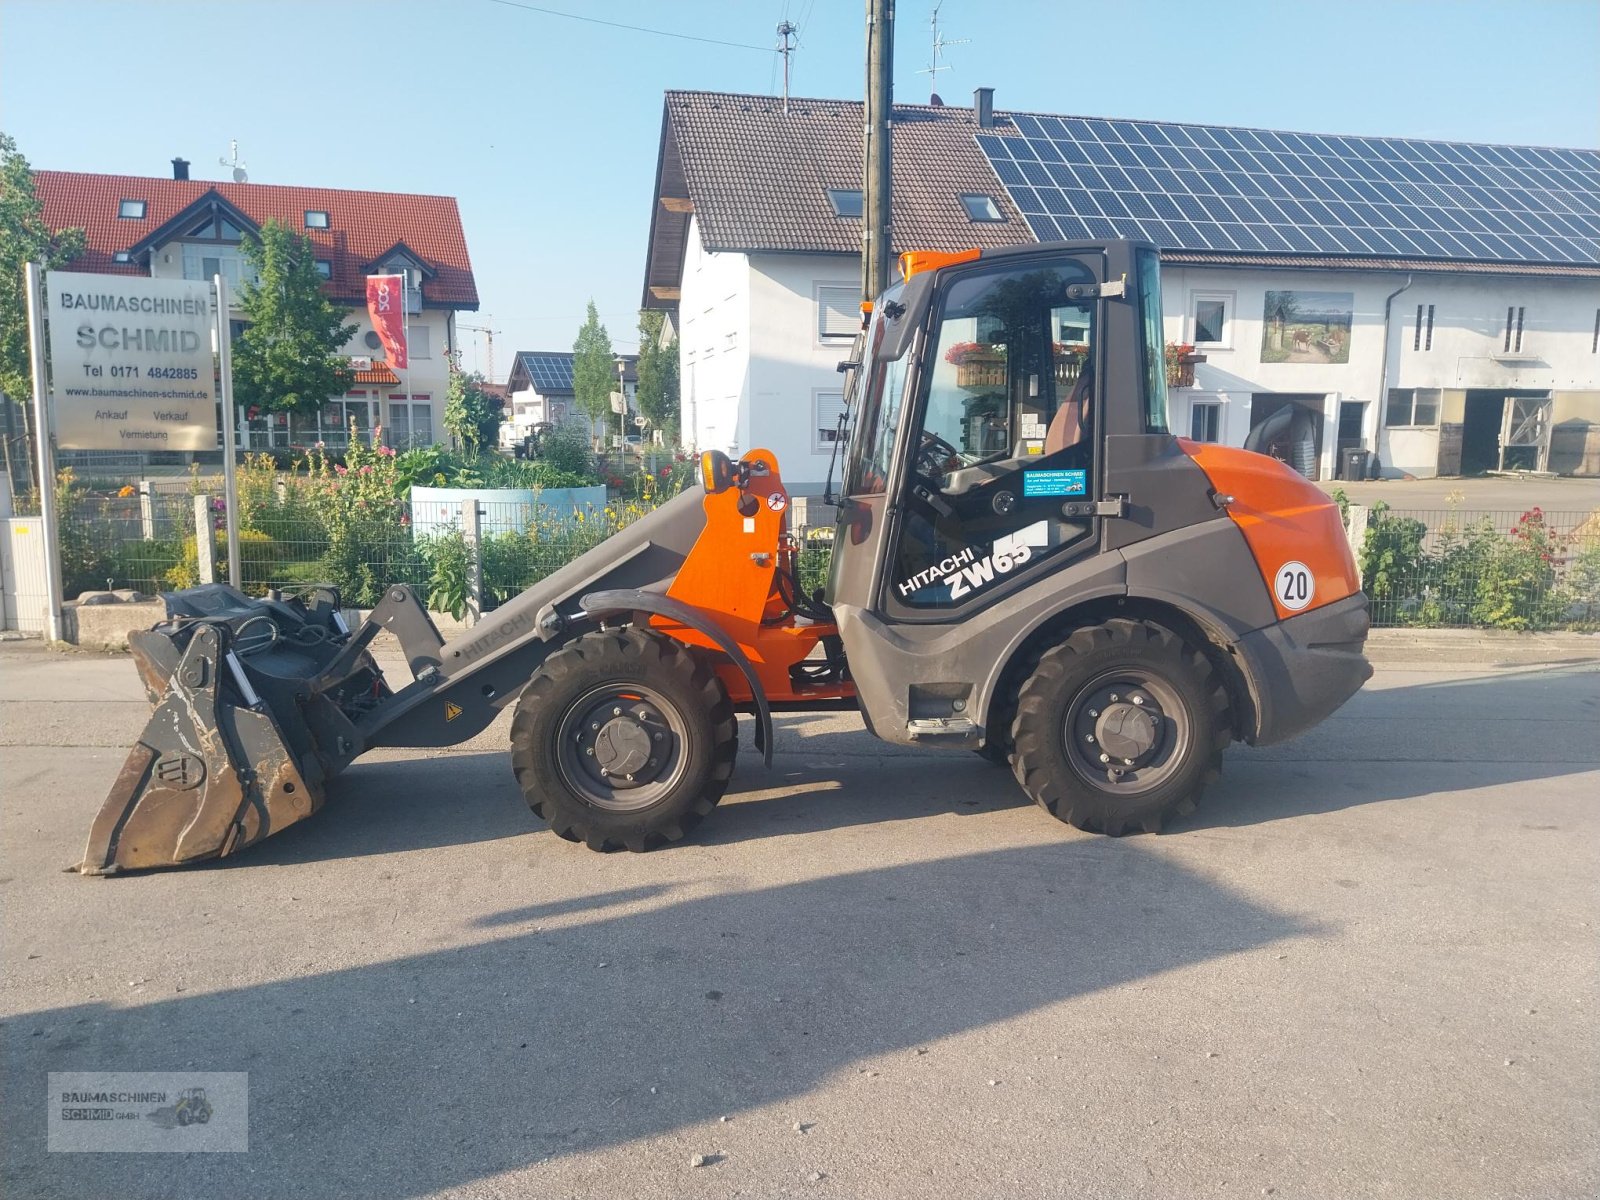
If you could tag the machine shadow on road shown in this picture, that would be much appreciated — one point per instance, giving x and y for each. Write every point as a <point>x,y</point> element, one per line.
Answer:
<point>1391,743</point>
<point>402,1078</point>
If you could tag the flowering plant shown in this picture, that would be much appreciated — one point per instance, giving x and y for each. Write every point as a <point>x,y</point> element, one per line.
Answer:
<point>984,351</point>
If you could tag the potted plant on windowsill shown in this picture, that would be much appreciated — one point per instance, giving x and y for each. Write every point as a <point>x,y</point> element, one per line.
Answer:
<point>1181,360</point>
<point>979,366</point>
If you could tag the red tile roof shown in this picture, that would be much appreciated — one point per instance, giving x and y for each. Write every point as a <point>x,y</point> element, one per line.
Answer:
<point>362,225</point>
<point>378,373</point>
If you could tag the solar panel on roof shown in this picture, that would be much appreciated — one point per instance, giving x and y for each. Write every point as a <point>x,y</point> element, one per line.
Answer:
<point>549,372</point>
<point>1312,193</point>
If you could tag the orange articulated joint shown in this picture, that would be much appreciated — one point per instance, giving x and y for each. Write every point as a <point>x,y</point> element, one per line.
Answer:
<point>913,262</point>
<point>1291,526</point>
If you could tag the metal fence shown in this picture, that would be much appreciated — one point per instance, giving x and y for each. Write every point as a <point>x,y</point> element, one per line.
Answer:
<point>1505,569</point>
<point>458,559</point>
<point>1437,568</point>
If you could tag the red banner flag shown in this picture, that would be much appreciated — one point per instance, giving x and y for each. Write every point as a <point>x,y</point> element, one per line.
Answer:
<point>386,300</point>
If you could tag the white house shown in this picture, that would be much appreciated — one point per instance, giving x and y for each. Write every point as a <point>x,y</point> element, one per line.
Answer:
<point>181,228</point>
<point>539,391</point>
<point>1436,305</point>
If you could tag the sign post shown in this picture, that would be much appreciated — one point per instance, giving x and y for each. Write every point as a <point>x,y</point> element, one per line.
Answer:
<point>46,454</point>
<point>230,482</point>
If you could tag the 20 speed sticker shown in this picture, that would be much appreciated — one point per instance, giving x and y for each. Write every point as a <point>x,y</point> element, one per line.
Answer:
<point>1294,586</point>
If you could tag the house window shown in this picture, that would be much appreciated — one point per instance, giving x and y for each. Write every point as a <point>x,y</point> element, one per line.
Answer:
<point>1422,337</point>
<point>1412,407</point>
<point>838,312</point>
<point>409,425</point>
<point>122,256</point>
<point>132,210</point>
<point>1204,422</point>
<point>980,207</point>
<point>316,219</point>
<point>202,262</point>
<point>826,409</point>
<point>1208,317</point>
<point>847,202</point>
<point>1514,318</point>
<point>419,342</point>
<point>324,268</point>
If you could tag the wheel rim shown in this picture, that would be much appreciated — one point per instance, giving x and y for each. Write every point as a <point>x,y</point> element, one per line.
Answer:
<point>1126,731</point>
<point>621,747</point>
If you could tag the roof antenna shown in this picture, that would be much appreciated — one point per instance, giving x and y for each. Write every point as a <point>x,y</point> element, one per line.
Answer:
<point>936,61</point>
<point>786,30</point>
<point>238,167</point>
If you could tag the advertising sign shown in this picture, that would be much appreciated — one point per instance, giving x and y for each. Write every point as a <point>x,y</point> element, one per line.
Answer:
<point>130,360</point>
<point>386,300</point>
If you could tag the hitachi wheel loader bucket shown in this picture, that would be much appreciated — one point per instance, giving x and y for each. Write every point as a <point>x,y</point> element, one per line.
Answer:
<point>229,755</point>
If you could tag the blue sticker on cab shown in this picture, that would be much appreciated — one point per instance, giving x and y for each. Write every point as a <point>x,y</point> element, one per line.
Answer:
<point>1055,483</point>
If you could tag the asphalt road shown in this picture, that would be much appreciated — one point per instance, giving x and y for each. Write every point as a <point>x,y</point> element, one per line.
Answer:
<point>1365,967</point>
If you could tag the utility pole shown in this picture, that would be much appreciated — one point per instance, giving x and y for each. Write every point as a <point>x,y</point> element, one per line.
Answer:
<point>877,227</point>
<point>786,30</point>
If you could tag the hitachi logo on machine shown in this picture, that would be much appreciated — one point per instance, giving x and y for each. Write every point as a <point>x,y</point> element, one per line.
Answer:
<point>938,571</point>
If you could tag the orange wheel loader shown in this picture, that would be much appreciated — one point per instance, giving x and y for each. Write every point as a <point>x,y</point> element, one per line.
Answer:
<point>1026,563</point>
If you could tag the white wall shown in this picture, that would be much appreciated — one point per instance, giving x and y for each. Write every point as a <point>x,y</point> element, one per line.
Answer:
<point>1469,325</point>
<point>753,362</point>
<point>790,362</point>
<point>714,348</point>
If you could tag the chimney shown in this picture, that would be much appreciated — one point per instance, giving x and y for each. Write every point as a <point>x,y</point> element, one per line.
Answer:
<point>180,168</point>
<point>983,105</point>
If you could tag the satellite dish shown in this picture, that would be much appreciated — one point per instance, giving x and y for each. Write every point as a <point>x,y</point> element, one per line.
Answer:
<point>239,176</point>
<point>373,340</point>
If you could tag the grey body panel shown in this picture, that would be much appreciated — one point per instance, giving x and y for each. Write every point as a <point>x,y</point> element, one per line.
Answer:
<point>1205,569</point>
<point>901,670</point>
<point>1165,488</point>
<point>1303,668</point>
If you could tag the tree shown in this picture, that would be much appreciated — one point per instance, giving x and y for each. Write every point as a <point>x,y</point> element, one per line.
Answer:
<point>658,374</point>
<point>472,415</point>
<point>24,238</point>
<point>594,368</point>
<point>1281,307</point>
<point>288,359</point>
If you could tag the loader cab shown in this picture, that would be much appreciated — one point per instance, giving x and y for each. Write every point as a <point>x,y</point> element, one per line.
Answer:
<point>989,386</point>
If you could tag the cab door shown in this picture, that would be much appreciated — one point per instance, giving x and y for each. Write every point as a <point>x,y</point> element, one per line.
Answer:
<point>997,468</point>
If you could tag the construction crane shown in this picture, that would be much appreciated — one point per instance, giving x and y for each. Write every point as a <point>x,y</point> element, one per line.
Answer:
<point>488,335</point>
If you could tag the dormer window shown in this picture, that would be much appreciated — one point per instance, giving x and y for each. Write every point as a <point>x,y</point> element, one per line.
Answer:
<point>131,210</point>
<point>980,207</point>
<point>847,202</point>
<point>316,219</point>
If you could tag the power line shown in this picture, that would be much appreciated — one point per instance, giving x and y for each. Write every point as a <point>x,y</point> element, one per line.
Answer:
<point>685,37</point>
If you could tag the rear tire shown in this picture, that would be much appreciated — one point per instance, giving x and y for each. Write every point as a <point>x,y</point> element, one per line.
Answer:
<point>623,739</point>
<point>1119,727</point>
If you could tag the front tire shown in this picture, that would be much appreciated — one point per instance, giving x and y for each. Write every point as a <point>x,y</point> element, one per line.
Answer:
<point>623,739</point>
<point>1119,727</point>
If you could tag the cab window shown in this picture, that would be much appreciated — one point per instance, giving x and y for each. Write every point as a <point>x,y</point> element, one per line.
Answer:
<point>1002,435</point>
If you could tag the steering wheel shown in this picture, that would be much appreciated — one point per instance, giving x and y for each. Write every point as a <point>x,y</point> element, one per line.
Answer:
<point>933,455</point>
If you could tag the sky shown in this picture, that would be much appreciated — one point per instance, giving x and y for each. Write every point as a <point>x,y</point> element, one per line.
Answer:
<point>546,128</point>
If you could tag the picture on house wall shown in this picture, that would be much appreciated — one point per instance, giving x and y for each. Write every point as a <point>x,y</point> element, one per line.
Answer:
<point>1307,327</point>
